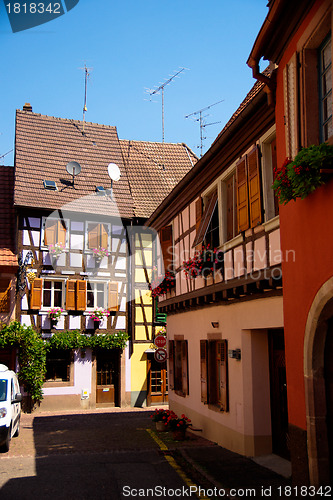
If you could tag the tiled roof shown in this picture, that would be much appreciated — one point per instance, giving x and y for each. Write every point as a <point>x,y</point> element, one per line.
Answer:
<point>7,218</point>
<point>153,169</point>
<point>44,146</point>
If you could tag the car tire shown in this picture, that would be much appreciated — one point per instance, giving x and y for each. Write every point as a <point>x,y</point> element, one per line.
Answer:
<point>5,447</point>
<point>18,428</point>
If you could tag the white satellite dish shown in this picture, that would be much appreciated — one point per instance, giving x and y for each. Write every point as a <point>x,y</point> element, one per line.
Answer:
<point>73,168</point>
<point>114,172</point>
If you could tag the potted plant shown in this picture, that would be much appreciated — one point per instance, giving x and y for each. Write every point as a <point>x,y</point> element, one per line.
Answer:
<point>160,417</point>
<point>159,285</point>
<point>204,262</point>
<point>56,249</point>
<point>300,177</point>
<point>98,314</point>
<point>100,253</point>
<point>54,314</point>
<point>178,425</point>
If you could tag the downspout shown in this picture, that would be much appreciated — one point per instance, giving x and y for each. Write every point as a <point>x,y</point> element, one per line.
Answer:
<point>270,83</point>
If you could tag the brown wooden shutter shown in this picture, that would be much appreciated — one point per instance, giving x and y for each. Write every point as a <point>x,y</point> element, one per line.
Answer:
<point>242,196</point>
<point>71,295</point>
<point>253,170</point>
<point>274,167</point>
<point>104,236</point>
<point>113,302</point>
<point>61,238</point>
<point>4,295</point>
<point>167,248</point>
<point>198,213</point>
<point>206,218</point>
<point>93,232</point>
<point>222,353</point>
<point>231,208</point>
<point>81,295</point>
<point>184,367</point>
<point>50,232</point>
<point>36,294</point>
<point>171,367</point>
<point>203,371</point>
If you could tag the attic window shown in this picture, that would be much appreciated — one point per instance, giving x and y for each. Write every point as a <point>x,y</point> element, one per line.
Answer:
<point>100,190</point>
<point>50,185</point>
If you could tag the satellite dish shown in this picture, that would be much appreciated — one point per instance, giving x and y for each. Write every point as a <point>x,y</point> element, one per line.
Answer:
<point>114,172</point>
<point>73,168</point>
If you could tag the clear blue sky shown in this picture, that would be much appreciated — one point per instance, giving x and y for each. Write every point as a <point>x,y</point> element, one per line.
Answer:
<point>132,45</point>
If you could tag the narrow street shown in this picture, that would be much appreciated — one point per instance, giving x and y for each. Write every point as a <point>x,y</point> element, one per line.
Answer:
<point>96,455</point>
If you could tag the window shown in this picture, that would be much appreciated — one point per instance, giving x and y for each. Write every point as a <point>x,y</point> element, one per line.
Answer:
<point>207,224</point>
<point>97,235</point>
<point>96,295</point>
<point>325,90</point>
<point>166,239</point>
<point>231,207</point>
<point>53,293</point>
<point>178,367</point>
<point>58,365</point>
<point>214,373</point>
<point>55,231</point>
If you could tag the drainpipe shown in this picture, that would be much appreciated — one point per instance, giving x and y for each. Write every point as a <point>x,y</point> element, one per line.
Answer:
<point>270,83</point>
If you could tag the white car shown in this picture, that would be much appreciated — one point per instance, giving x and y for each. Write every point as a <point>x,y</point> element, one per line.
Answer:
<point>10,407</point>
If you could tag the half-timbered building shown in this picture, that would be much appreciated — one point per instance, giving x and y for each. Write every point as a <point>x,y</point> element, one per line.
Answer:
<point>81,239</point>
<point>224,315</point>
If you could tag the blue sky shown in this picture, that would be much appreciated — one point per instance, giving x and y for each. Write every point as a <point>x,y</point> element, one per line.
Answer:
<point>132,45</point>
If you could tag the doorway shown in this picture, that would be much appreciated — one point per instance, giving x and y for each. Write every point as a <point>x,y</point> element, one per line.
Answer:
<point>278,392</point>
<point>107,378</point>
<point>158,382</point>
<point>328,372</point>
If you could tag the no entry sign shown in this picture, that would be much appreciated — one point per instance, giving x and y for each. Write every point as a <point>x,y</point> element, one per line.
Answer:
<point>160,341</point>
<point>160,355</point>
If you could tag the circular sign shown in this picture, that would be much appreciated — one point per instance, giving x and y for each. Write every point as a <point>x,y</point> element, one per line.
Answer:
<point>160,341</point>
<point>160,355</point>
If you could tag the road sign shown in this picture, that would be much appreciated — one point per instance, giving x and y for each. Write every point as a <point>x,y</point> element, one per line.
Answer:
<point>160,355</point>
<point>160,341</point>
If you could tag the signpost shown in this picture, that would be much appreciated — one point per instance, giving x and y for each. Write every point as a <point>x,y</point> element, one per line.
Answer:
<point>160,355</point>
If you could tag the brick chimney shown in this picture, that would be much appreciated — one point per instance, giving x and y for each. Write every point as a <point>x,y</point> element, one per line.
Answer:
<point>27,107</point>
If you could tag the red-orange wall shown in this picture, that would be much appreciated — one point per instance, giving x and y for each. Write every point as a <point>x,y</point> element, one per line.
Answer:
<point>307,229</point>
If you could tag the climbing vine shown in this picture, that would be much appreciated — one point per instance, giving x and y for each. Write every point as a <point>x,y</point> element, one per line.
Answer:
<point>32,350</point>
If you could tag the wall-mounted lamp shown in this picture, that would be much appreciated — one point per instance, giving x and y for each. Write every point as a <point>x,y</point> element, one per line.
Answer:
<point>215,324</point>
<point>234,354</point>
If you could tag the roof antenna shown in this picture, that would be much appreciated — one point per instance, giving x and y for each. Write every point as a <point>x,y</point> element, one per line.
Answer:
<point>202,123</point>
<point>86,76</point>
<point>157,91</point>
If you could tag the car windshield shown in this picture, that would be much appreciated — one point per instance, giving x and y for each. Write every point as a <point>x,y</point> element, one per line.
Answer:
<point>3,389</point>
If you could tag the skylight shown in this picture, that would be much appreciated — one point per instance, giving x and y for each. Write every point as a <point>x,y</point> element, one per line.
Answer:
<point>50,185</point>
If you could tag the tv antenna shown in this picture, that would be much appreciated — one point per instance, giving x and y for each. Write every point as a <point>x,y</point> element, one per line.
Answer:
<point>86,76</point>
<point>161,88</point>
<point>202,123</point>
<point>73,168</point>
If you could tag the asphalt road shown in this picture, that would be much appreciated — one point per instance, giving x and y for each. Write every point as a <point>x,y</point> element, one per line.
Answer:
<point>91,455</point>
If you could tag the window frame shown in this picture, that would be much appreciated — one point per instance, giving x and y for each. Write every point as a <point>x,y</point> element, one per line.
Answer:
<point>211,374</point>
<point>106,289</point>
<point>43,245</point>
<point>70,369</point>
<point>328,95</point>
<point>63,290</point>
<point>179,380</point>
<point>86,235</point>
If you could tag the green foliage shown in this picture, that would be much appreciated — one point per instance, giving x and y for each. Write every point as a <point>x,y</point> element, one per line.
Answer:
<point>300,177</point>
<point>32,350</point>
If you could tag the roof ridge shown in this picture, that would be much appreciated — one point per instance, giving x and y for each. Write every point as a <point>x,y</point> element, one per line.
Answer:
<point>58,118</point>
<point>154,142</point>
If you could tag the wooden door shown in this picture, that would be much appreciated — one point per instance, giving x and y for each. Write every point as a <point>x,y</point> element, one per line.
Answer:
<point>278,386</point>
<point>107,378</point>
<point>328,370</point>
<point>158,382</point>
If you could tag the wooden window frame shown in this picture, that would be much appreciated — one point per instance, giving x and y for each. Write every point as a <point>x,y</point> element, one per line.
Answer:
<point>94,283</point>
<point>70,371</point>
<point>321,96</point>
<point>44,245</point>
<point>212,202</point>
<point>86,235</point>
<point>63,292</point>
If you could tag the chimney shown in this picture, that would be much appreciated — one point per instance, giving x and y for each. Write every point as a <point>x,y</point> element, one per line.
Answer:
<point>27,107</point>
